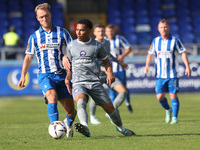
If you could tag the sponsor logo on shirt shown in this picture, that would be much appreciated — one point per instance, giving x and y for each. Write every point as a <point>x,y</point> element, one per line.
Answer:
<point>49,46</point>
<point>166,54</point>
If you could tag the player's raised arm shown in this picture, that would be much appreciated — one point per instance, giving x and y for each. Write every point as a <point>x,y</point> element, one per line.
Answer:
<point>25,67</point>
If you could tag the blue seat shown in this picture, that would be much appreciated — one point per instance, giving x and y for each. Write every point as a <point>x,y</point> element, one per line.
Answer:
<point>30,23</point>
<point>41,1</point>
<point>128,29</point>
<point>128,20</point>
<point>197,37</point>
<point>4,23</point>
<point>155,12</point>
<point>113,13</point>
<point>173,27</point>
<point>185,27</point>
<point>113,4</point>
<point>169,13</point>
<point>14,6</point>
<point>182,3</point>
<point>57,15</point>
<point>144,38</point>
<point>3,31</point>
<point>132,39</point>
<point>28,15</point>
<point>15,21</point>
<point>127,4</point>
<point>141,13</point>
<point>56,6</point>
<point>185,19</point>
<point>3,15</point>
<point>127,13</point>
<point>142,20</point>
<point>28,7</point>
<point>114,21</point>
<point>3,7</point>
<point>141,4</point>
<point>187,38</point>
<point>182,12</point>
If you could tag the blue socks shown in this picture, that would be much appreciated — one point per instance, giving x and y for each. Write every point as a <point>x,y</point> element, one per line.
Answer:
<point>128,98</point>
<point>52,112</point>
<point>164,104</point>
<point>175,106</point>
<point>70,120</point>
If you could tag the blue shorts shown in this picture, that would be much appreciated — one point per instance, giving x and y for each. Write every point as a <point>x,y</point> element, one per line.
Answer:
<point>121,76</point>
<point>167,85</point>
<point>55,81</point>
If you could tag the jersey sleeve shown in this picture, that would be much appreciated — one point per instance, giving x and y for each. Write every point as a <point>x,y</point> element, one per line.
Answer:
<point>30,49</point>
<point>152,48</point>
<point>101,52</point>
<point>125,43</point>
<point>179,46</point>
<point>69,51</point>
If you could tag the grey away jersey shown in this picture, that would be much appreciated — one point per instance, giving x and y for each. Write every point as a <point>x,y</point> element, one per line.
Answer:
<point>106,45</point>
<point>83,58</point>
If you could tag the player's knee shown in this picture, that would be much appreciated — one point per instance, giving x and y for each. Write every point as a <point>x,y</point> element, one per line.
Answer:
<point>81,103</point>
<point>51,96</point>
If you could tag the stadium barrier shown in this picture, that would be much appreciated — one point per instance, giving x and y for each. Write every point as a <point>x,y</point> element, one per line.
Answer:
<point>137,81</point>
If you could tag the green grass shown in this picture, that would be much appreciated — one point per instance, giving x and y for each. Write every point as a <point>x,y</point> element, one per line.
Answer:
<point>24,125</point>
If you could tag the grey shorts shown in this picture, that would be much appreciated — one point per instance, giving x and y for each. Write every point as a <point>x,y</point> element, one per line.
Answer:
<point>95,90</point>
<point>117,82</point>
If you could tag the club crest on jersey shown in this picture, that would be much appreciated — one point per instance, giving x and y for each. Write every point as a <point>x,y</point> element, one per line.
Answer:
<point>82,53</point>
<point>76,90</point>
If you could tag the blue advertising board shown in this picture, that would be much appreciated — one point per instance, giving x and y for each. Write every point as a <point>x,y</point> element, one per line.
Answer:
<point>137,81</point>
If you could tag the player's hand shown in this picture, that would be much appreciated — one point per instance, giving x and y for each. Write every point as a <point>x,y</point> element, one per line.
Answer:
<point>124,65</point>
<point>120,58</point>
<point>188,72</point>
<point>21,83</point>
<point>67,83</point>
<point>66,63</point>
<point>110,79</point>
<point>146,70</point>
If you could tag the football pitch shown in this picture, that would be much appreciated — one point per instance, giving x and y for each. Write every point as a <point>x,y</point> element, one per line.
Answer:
<point>24,126</point>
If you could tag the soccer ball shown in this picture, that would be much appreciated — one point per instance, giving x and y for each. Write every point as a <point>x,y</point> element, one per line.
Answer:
<point>57,130</point>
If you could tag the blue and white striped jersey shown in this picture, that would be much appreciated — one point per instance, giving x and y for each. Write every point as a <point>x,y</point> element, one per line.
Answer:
<point>49,48</point>
<point>166,56</point>
<point>116,46</point>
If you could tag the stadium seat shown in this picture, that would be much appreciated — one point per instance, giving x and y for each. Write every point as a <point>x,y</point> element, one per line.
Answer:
<point>28,7</point>
<point>128,29</point>
<point>15,21</point>
<point>185,27</point>
<point>3,7</point>
<point>169,13</point>
<point>132,39</point>
<point>114,20</point>
<point>182,12</point>
<point>4,23</point>
<point>127,13</point>
<point>144,38</point>
<point>14,6</point>
<point>187,38</point>
<point>3,15</point>
<point>113,13</point>
<point>142,20</point>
